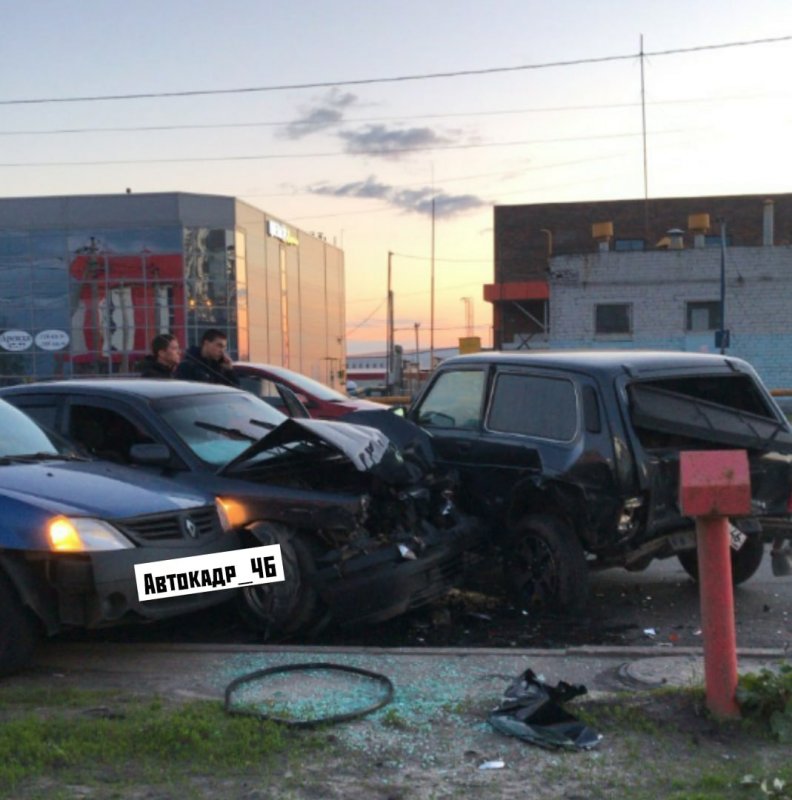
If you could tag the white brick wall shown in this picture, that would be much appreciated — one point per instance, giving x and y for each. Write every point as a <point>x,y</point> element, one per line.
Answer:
<point>659,283</point>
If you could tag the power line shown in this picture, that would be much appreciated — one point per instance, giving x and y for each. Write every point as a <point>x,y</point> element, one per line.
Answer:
<point>420,292</point>
<point>358,120</point>
<point>363,322</point>
<point>335,154</point>
<point>450,260</point>
<point>394,79</point>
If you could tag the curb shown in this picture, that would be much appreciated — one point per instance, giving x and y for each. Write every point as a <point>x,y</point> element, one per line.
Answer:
<point>569,652</point>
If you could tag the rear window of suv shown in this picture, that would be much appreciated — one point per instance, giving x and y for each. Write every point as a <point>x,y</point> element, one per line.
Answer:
<point>534,405</point>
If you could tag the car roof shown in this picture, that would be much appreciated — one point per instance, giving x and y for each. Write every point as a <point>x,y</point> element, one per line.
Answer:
<point>607,361</point>
<point>136,387</point>
<point>282,372</point>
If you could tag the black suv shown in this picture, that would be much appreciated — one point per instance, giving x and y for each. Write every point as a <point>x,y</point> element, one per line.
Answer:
<point>572,458</point>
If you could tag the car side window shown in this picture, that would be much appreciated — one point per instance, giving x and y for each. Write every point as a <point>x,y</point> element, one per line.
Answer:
<point>534,405</point>
<point>454,401</point>
<point>43,412</point>
<point>105,433</point>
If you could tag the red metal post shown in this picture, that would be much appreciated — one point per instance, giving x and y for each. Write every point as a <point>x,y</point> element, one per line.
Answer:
<point>717,615</point>
<point>712,486</point>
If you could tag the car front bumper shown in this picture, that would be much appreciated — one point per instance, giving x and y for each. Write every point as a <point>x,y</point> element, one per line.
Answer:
<point>98,589</point>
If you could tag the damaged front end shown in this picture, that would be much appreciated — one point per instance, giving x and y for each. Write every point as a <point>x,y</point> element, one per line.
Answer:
<point>385,534</point>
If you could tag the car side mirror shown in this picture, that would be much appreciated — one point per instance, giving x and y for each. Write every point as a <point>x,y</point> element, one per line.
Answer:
<point>150,455</point>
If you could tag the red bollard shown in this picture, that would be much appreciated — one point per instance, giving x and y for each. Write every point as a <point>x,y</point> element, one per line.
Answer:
<point>713,485</point>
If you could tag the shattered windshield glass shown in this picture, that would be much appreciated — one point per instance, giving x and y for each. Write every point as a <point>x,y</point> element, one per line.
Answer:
<point>218,427</point>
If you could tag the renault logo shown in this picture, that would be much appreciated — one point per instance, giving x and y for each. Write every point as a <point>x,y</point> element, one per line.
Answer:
<point>190,528</point>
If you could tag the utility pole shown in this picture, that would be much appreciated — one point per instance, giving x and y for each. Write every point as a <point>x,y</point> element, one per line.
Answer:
<point>469,327</point>
<point>724,336</point>
<point>389,332</point>
<point>432,296</point>
<point>645,165</point>
<point>417,325</point>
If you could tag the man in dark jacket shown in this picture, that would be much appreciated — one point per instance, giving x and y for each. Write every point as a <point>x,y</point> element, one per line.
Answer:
<point>163,359</point>
<point>208,363</point>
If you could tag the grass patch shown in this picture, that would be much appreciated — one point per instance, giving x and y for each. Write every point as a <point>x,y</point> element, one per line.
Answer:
<point>45,736</point>
<point>50,696</point>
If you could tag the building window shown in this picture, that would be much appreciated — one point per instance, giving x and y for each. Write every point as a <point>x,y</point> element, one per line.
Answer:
<point>702,316</point>
<point>610,318</point>
<point>628,245</point>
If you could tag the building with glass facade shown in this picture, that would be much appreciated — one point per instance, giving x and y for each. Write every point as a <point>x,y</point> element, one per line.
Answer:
<point>86,282</point>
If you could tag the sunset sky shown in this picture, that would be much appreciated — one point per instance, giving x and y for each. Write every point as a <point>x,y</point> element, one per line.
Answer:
<point>359,158</point>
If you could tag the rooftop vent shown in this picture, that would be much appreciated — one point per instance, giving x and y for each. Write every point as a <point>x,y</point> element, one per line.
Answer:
<point>699,225</point>
<point>603,233</point>
<point>676,240</point>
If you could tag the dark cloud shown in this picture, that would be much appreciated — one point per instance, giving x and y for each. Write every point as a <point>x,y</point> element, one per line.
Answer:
<point>378,140</point>
<point>418,201</point>
<point>369,188</point>
<point>326,113</point>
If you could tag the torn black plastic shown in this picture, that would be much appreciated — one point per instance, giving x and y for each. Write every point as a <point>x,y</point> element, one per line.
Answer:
<point>532,711</point>
<point>683,415</point>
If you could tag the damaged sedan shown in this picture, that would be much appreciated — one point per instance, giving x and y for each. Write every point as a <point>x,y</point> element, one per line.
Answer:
<point>573,458</point>
<point>73,531</point>
<point>367,528</point>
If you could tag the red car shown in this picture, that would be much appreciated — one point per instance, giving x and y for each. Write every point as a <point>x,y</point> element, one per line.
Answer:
<point>321,401</point>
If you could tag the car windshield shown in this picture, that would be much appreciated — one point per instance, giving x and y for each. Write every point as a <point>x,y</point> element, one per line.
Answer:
<point>307,385</point>
<point>20,436</point>
<point>218,427</point>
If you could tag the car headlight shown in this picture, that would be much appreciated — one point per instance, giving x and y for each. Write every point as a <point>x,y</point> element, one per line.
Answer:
<point>231,512</point>
<point>82,534</point>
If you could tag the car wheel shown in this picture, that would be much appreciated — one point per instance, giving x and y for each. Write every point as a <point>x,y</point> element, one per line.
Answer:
<point>19,629</point>
<point>744,561</point>
<point>287,606</point>
<point>546,566</point>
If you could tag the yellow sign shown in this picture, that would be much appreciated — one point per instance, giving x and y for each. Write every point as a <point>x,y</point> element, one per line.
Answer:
<point>469,344</point>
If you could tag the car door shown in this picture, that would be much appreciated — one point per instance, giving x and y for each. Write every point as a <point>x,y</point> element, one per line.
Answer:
<point>453,411</point>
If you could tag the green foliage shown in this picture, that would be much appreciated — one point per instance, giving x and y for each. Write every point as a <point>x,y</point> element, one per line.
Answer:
<point>767,696</point>
<point>151,735</point>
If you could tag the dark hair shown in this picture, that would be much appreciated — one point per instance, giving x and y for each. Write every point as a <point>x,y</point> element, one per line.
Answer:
<point>213,334</point>
<point>161,342</point>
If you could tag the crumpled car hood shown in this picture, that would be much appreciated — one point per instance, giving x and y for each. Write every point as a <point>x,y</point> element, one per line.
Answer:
<point>366,448</point>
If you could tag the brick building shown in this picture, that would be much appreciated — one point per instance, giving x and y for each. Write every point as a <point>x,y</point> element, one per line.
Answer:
<point>631,273</point>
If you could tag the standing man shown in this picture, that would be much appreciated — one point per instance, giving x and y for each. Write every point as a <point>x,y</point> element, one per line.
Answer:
<point>163,359</point>
<point>209,362</point>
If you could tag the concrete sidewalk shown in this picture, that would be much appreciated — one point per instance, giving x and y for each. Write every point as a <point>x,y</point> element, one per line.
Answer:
<point>204,670</point>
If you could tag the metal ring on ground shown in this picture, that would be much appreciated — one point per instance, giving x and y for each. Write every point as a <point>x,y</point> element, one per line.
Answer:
<point>297,723</point>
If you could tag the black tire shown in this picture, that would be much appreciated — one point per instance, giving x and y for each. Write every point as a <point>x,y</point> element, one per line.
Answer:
<point>19,629</point>
<point>744,561</point>
<point>288,606</point>
<point>546,566</point>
